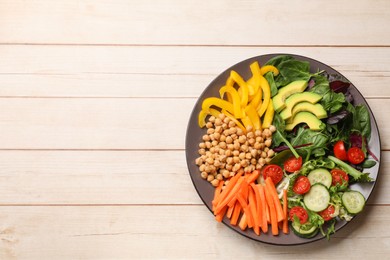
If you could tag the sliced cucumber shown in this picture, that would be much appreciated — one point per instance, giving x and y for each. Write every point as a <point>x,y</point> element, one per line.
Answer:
<point>353,201</point>
<point>320,175</point>
<point>317,199</point>
<point>304,231</point>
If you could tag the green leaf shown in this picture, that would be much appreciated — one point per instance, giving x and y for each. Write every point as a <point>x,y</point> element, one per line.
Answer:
<point>269,76</point>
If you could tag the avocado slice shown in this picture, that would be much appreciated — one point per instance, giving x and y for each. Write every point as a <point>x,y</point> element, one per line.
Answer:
<point>295,99</point>
<point>294,87</point>
<point>316,109</point>
<point>305,117</point>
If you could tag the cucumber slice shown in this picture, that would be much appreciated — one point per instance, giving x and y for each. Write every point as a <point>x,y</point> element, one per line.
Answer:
<point>300,230</point>
<point>317,199</point>
<point>353,201</point>
<point>320,175</point>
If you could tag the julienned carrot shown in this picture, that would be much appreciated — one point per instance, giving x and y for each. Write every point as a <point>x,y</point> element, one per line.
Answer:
<point>246,209</point>
<point>274,195</point>
<point>253,208</point>
<point>236,213</point>
<point>229,212</point>
<point>228,196</point>
<point>272,210</point>
<point>243,190</point>
<point>217,192</point>
<point>285,221</point>
<point>243,222</point>
<point>259,212</point>
<point>253,176</point>
<point>221,214</point>
<point>264,223</point>
<point>229,187</point>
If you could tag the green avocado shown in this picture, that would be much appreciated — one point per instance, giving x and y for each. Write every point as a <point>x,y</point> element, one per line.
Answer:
<point>294,87</point>
<point>305,117</point>
<point>294,99</point>
<point>316,109</point>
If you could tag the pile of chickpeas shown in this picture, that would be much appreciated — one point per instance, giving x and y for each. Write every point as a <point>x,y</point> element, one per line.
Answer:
<point>226,149</point>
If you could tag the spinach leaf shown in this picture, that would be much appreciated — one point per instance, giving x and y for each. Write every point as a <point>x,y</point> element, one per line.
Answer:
<point>331,101</point>
<point>275,61</point>
<point>319,142</point>
<point>279,136</point>
<point>292,70</point>
<point>269,76</point>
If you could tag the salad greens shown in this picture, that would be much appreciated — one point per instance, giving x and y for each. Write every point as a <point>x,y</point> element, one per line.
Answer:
<point>346,121</point>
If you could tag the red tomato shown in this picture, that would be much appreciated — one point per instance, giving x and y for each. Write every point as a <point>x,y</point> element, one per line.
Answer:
<point>300,212</point>
<point>339,151</point>
<point>275,172</point>
<point>293,164</point>
<point>355,155</point>
<point>339,177</point>
<point>301,185</point>
<point>327,213</point>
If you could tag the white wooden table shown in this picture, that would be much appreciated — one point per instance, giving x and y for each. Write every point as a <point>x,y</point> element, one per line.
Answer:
<point>95,97</point>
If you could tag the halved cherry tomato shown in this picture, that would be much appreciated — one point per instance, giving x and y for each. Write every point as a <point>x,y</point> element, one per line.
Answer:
<point>300,212</point>
<point>327,213</point>
<point>339,151</point>
<point>275,172</point>
<point>293,164</point>
<point>339,177</point>
<point>355,155</point>
<point>301,185</point>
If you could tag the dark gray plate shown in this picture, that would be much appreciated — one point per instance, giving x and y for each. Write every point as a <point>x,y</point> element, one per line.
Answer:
<point>194,136</point>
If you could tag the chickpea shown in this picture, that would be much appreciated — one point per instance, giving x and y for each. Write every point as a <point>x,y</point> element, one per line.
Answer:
<point>253,153</point>
<point>210,177</point>
<point>226,132</point>
<point>258,133</point>
<point>234,136</point>
<point>209,125</point>
<point>202,151</point>
<point>236,159</point>
<point>207,169</point>
<point>217,136</point>
<point>248,156</point>
<point>270,153</point>
<point>244,148</point>
<point>224,126</point>
<point>215,182</point>
<point>229,167</point>
<point>222,116</point>
<point>222,145</point>
<point>228,153</point>
<point>266,149</point>
<point>236,145</point>
<point>208,144</point>
<point>219,177</point>
<point>251,141</point>
<point>217,163</point>
<point>212,150</point>
<point>263,154</point>
<point>242,139</point>
<point>222,138</point>
<point>236,167</point>
<point>236,153</point>
<point>232,130</point>
<point>241,156</point>
<point>226,120</point>
<point>223,158</point>
<point>231,147</point>
<point>202,167</point>
<point>268,142</point>
<point>262,161</point>
<point>218,122</point>
<point>249,128</point>
<point>221,152</point>
<point>214,143</point>
<point>206,138</point>
<point>204,175</point>
<point>244,163</point>
<point>240,132</point>
<point>212,119</point>
<point>272,128</point>
<point>229,140</point>
<point>198,161</point>
<point>257,146</point>
<point>253,161</point>
<point>250,135</point>
<point>231,124</point>
<point>210,131</point>
<point>225,173</point>
<point>210,160</point>
<point>267,160</point>
<point>202,145</point>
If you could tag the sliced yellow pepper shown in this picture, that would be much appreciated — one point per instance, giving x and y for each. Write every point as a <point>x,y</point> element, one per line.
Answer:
<point>247,121</point>
<point>235,98</point>
<point>253,116</point>
<point>256,100</point>
<point>251,88</point>
<point>268,68</point>
<point>234,120</point>
<point>213,101</point>
<point>267,95</point>
<point>214,112</point>
<point>269,115</point>
<point>202,118</point>
<point>242,84</point>
<point>229,83</point>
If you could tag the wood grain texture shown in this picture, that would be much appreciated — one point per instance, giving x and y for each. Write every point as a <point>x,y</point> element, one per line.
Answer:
<point>187,22</point>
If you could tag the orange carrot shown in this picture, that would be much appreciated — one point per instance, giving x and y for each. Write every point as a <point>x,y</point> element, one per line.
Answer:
<point>285,221</point>
<point>272,210</point>
<point>246,209</point>
<point>274,195</point>
<point>259,212</point>
<point>223,202</point>
<point>264,222</point>
<point>228,188</point>
<point>217,192</point>
<point>253,209</point>
<point>221,214</point>
<point>243,222</point>
<point>253,176</point>
<point>229,212</point>
<point>236,213</point>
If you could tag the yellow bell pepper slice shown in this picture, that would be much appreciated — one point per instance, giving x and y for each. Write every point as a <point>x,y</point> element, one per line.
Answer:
<point>235,98</point>
<point>242,84</point>
<point>251,88</point>
<point>202,118</point>
<point>268,68</point>
<point>247,122</point>
<point>217,102</point>
<point>214,112</point>
<point>229,83</point>
<point>269,115</point>
<point>253,116</point>
<point>234,120</point>
<point>256,100</point>
<point>267,95</point>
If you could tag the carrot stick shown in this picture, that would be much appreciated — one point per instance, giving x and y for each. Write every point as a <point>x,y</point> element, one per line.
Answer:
<point>253,176</point>
<point>229,187</point>
<point>264,222</point>
<point>243,222</point>
<point>217,192</point>
<point>285,221</point>
<point>236,213</point>
<point>272,210</point>
<point>246,209</point>
<point>274,195</point>
<point>259,212</point>
<point>221,214</point>
<point>253,208</point>
<point>229,211</point>
<point>243,190</point>
<point>223,202</point>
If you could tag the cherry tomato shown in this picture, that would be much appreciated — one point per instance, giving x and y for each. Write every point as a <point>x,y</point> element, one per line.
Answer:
<point>300,212</point>
<point>339,151</point>
<point>339,177</point>
<point>275,172</point>
<point>301,185</point>
<point>355,155</point>
<point>293,164</point>
<point>327,213</point>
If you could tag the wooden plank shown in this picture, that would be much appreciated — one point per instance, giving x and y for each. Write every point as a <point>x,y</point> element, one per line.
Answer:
<point>187,22</point>
<point>370,84</point>
<point>135,123</point>
<point>158,232</point>
<point>112,177</point>
<point>84,60</point>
